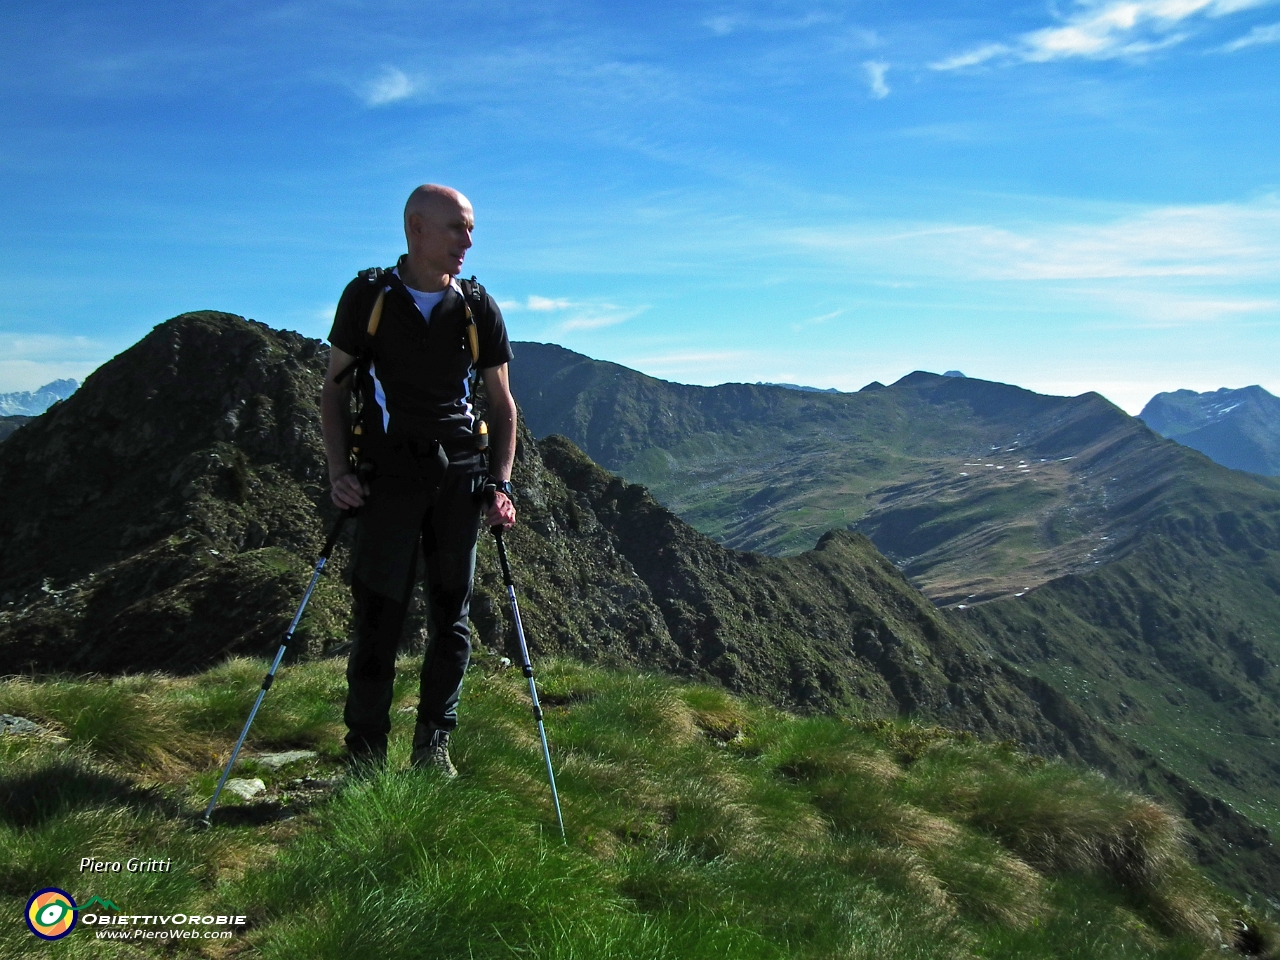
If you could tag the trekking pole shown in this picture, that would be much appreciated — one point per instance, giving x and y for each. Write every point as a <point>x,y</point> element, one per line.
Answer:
<point>528,671</point>
<point>271,674</point>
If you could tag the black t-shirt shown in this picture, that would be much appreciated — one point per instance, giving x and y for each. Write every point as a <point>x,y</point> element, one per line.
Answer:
<point>418,375</point>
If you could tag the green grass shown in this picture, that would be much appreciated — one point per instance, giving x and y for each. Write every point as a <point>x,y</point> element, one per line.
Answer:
<point>699,825</point>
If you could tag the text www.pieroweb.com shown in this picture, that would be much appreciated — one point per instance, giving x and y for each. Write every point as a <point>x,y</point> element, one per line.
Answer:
<point>138,933</point>
<point>175,926</point>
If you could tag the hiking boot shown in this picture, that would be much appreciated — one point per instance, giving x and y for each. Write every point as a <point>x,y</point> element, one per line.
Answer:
<point>431,750</point>
<point>365,758</point>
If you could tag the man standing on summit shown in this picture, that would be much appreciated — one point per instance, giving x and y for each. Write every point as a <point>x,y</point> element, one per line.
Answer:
<point>409,343</point>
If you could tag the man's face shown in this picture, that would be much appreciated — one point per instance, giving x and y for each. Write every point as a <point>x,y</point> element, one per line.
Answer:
<point>441,235</point>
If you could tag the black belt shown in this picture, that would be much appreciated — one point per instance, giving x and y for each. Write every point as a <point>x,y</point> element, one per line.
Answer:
<point>405,455</point>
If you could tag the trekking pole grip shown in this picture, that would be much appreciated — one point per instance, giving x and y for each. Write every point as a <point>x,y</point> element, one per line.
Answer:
<point>329,544</point>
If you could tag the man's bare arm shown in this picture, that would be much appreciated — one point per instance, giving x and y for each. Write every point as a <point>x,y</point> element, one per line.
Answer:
<point>502,440</point>
<point>345,488</point>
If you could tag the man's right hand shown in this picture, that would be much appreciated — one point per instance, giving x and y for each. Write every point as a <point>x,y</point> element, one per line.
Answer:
<point>347,492</point>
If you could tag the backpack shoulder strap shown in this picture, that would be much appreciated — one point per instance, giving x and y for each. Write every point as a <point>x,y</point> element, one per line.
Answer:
<point>374,277</point>
<point>472,302</point>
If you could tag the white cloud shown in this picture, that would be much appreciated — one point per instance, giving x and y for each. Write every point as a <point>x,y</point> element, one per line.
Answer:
<point>1254,38</point>
<point>389,86</point>
<point>1102,30</point>
<point>876,69</point>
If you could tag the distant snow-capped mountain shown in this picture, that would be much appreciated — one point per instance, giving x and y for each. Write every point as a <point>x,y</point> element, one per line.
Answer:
<point>1236,428</point>
<point>25,403</point>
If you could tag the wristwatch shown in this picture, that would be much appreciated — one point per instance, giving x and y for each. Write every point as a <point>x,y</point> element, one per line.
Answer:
<point>502,486</point>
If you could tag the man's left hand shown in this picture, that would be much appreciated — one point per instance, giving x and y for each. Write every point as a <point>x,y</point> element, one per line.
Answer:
<point>501,512</point>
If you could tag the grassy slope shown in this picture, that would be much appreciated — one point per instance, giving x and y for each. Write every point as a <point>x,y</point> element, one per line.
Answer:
<point>1174,647</point>
<point>699,826</point>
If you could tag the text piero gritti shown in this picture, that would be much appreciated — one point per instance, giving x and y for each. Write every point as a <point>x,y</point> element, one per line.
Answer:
<point>132,865</point>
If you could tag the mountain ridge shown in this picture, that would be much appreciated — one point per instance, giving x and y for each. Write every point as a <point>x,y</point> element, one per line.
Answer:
<point>166,516</point>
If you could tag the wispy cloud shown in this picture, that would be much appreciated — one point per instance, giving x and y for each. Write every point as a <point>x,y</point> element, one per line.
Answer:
<point>1226,241</point>
<point>695,366</point>
<point>814,321</point>
<point>726,23</point>
<point>391,85</point>
<point>29,361</point>
<point>536,303</point>
<point>594,321</point>
<point>1102,30</point>
<point>544,304</point>
<point>43,346</point>
<point>876,70</point>
<point>1167,266</point>
<point>596,317</point>
<point>972,57</point>
<point>584,315</point>
<point>1157,309</point>
<point>1254,38</point>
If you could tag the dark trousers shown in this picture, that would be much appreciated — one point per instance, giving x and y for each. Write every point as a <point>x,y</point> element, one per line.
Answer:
<point>448,536</point>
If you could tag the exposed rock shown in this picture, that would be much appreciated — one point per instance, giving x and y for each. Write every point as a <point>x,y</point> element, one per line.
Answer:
<point>277,760</point>
<point>18,726</point>
<point>245,789</point>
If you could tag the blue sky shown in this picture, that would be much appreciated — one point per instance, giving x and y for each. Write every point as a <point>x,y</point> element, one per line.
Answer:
<point>1068,196</point>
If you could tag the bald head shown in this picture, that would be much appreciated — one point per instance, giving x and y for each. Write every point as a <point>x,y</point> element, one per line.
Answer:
<point>431,200</point>
<point>438,222</point>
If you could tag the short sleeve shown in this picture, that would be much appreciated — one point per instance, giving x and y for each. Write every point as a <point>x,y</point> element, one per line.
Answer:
<point>495,348</point>
<point>347,333</point>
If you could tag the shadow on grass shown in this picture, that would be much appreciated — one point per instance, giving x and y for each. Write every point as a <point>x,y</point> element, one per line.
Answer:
<point>254,814</point>
<point>31,797</point>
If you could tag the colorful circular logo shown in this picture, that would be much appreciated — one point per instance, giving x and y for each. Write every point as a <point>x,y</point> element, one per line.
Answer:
<point>51,913</point>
